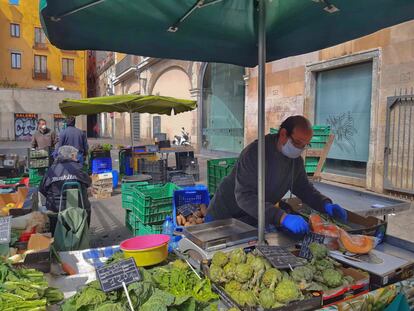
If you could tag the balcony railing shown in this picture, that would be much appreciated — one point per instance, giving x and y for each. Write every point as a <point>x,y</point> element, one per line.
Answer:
<point>128,62</point>
<point>69,78</point>
<point>37,75</point>
<point>40,46</point>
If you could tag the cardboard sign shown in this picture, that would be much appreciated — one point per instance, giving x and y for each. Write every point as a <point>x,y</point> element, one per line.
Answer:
<point>113,276</point>
<point>309,238</point>
<point>5,229</point>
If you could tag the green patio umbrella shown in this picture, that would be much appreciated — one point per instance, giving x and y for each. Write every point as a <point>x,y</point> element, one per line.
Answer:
<point>127,103</point>
<point>226,31</point>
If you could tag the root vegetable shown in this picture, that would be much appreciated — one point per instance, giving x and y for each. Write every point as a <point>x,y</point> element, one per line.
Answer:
<point>199,221</point>
<point>203,209</point>
<point>197,214</point>
<point>187,224</point>
<point>179,220</point>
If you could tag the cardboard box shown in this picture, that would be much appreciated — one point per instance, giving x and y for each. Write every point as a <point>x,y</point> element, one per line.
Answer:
<point>104,195</point>
<point>98,177</point>
<point>17,198</point>
<point>40,259</point>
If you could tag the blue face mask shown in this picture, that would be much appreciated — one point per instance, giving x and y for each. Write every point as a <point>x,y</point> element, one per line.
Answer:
<point>290,150</point>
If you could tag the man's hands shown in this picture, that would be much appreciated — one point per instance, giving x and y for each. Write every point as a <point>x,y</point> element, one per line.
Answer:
<point>295,223</point>
<point>336,211</point>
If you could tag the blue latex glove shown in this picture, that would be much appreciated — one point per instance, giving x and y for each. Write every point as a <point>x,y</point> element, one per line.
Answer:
<point>295,224</point>
<point>336,211</point>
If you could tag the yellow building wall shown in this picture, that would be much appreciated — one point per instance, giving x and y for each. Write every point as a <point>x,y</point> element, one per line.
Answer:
<point>26,14</point>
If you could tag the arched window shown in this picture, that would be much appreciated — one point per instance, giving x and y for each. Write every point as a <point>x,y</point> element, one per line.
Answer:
<point>223,108</point>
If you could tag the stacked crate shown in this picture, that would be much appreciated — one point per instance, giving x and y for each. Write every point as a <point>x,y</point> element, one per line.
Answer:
<point>102,185</point>
<point>218,169</point>
<point>156,169</point>
<point>147,206</point>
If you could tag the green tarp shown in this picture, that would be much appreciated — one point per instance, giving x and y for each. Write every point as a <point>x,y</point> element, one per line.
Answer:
<point>127,103</point>
<point>215,31</point>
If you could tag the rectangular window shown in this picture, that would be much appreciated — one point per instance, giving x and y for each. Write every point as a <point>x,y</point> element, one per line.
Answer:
<point>40,37</point>
<point>14,2</point>
<point>40,67</point>
<point>15,30</point>
<point>16,60</point>
<point>67,68</point>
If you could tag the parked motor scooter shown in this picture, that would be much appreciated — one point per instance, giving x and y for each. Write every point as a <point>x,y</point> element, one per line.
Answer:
<point>183,139</point>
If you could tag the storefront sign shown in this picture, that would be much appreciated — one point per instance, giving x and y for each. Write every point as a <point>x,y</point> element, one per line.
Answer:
<point>25,124</point>
<point>114,276</point>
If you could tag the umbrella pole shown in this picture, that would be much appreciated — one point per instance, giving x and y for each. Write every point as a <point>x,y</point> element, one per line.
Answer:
<point>261,120</point>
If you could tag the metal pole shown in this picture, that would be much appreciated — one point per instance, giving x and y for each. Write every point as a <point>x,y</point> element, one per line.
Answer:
<point>261,120</point>
<point>130,128</point>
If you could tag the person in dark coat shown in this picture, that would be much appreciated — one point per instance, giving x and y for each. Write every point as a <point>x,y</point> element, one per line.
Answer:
<point>65,168</point>
<point>72,136</point>
<point>236,196</point>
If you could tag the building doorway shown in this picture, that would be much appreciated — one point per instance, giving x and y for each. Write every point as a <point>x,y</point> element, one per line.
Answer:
<point>343,101</point>
<point>223,96</point>
<point>92,126</point>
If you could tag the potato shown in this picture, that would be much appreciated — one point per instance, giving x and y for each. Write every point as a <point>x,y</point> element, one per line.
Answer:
<point>203,210</point>
<point>187,224</point>
<point>197,214</point>
<point>199,221</point>
<point>182,220</point>
<point>179,220</point>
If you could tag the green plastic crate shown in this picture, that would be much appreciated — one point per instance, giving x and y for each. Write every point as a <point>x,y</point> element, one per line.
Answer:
<point>218,169</point>
<point>153,218</point>
<point>148,229</point>
<point>10,181</point>
<point>130,221</point>
<point>148,197</point>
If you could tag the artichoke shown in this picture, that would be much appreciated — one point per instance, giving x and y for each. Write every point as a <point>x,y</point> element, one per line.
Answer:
<point>179,264</point>
<point>303,273</point>
<point>229,270</point>
<point>267,298</point>
<point>220,259</point>
<point>249,258</point>
<point>287,291</point>
<point>319,251</point>
<point>238,256</point>
<point>243,273</point>
<point>246,298</point>
<point>232,286</point>
<point>271,277</point>
<point>258,267</point>
<point>217,274</point>
<point>323,264</point>
<point>332,278</point>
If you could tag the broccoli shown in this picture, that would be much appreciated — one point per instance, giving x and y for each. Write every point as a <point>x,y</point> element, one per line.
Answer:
<point>238,256</point>
<point>287,291</point>
<point>271,277</point>
<point>332,278</point>
<point>220,259</point>
<point>217,274</point>
<point>319,251</point>
<point>229,270</point>
<point>243,273</point>
<point>267,298</point>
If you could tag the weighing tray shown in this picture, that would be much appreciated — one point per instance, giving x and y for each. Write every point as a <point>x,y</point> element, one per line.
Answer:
<point>220,233</point>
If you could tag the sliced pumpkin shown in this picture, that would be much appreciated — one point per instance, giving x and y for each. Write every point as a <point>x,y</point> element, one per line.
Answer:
<point>320,227</point>
<point>357,244</point>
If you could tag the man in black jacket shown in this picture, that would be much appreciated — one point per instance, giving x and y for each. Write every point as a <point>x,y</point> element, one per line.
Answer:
<point>65,168</point>
<point>236,196</point>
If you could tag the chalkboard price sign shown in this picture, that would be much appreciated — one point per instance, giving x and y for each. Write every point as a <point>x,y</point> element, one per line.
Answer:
<point>309,238</point>
<point>5,228</point>
<point>113,276</point>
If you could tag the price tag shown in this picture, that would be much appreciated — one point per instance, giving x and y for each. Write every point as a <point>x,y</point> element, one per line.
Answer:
<point>309,238</point>
<point>5,228</point>
<point>113,276</point>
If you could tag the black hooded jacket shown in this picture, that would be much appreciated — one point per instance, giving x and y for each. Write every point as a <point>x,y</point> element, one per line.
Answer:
<point>61,171</point>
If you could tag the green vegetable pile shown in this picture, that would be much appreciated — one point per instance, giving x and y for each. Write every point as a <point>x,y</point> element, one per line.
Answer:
<point>25,289</point>
<point>173,287</point>
<point>322,273</point>
<point>250,280</point>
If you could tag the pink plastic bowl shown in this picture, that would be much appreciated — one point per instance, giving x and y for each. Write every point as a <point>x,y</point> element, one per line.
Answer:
<point>144,242</point>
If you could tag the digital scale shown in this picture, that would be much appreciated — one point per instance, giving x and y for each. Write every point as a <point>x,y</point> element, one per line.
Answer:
<point>202,241</point>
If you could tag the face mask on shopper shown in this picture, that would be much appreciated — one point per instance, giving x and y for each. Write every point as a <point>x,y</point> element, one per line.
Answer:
<point>290,150</point>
